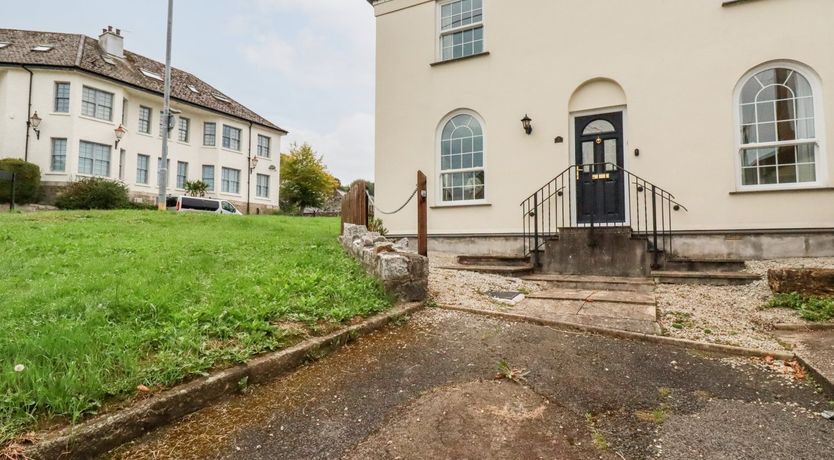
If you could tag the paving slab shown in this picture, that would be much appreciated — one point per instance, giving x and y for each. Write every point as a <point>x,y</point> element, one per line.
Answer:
<point>814,346</point>
<point>427,390</point>
<point>630,311</point>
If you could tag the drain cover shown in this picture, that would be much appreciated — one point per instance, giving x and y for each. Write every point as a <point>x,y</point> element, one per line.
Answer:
<point>507,297</point>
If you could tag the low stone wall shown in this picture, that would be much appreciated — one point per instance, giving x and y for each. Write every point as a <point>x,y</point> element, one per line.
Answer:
<point>403,272</point>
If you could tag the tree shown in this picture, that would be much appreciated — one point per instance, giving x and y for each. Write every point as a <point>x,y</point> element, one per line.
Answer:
<point>369,186</point>
<point>196,188</point>
<point>305,181</point>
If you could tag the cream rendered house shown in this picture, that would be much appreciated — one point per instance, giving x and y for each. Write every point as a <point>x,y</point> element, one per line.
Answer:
<point>83,90</point>
<point>721,108</point>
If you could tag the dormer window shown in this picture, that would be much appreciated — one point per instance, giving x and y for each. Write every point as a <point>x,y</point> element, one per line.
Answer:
<point>4,44</point>
<point>461,28</point>
<point>42,48</point>
<point>193,89</point>
<point>150,74</point>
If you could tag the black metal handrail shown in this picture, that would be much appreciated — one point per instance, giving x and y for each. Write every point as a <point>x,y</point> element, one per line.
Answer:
<point>647,208</point>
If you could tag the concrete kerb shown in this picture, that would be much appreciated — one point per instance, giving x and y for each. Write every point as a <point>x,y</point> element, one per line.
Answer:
<point>803,327</point>
<point>826,385</point>
<point>659,339</point>
<point>107,432</point>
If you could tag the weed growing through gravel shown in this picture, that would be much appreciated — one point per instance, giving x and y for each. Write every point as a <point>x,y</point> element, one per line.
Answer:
<point>809,308</point>
<point>96,303</point>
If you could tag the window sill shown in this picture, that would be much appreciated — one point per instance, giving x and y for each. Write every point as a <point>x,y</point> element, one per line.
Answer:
<point>55,173</point>
<point>98,120</point>
<point>814,188</point>
<point>144,134</point>
<point>735,2</point>
<point>465,58</point>
<point>143,185</point>
<point>462,204</point>
<point>61,114</point>
<point>188,144</point>
<point>232,151</point>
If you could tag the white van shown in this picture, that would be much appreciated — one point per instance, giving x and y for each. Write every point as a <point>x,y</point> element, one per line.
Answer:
<point>195,204</point>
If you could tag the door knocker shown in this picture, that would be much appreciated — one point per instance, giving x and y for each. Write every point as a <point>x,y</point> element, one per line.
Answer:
<point>599,140</point>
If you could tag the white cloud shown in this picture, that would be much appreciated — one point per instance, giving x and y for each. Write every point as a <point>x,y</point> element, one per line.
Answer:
<point>331,48</point>
<point>348,150</point>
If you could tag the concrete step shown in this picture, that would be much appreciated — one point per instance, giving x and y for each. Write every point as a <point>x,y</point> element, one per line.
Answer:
<point>595,283</point>
<point>708,278</point>
<point>504,270</point>
<point>585,295</point>
<point>683,264</point>
<point>510,261</point>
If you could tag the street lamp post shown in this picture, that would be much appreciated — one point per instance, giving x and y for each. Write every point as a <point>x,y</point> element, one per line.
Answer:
<point>163,168</point>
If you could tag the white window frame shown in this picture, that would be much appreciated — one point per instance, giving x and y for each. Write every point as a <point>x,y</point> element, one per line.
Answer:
<point>53,156</point>
<point>820,156</point>
<point>239,139</point>
<point>442,33</point>
<point>140,120</point>
<point>96,105</point>
<point>224,181</point>
<point>184,176</point>
<point>438,189</point>
<point>187,122</point>
<point>146,169</point>
<point>211,184</point>
<point>57,98</point>
<point>259,187</point>
<point>213,134</point>
<point>102,148</point>
<point>264,151</point>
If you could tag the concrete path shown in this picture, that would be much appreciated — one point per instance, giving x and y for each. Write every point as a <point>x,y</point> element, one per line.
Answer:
<point>426,390</point>
<point>815,347</point>
<point>625,310</point>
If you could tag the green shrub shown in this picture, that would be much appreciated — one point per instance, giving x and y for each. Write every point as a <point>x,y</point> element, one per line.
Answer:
<point>375,225</point>
<point>196,188</point>
<point>27,183</point>
<point>809,308</point>
<point>94,193</point>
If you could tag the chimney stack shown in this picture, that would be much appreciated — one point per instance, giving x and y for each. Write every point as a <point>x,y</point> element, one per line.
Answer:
<point>112,42</point>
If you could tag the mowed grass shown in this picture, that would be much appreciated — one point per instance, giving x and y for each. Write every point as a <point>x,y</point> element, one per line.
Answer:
<point>95,303</point>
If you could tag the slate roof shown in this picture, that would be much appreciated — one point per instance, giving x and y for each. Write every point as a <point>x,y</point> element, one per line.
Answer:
<point>84,53</point>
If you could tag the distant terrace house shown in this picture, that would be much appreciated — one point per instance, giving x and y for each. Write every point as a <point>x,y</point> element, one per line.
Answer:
<point>83,89</point>
<point>725,105</point>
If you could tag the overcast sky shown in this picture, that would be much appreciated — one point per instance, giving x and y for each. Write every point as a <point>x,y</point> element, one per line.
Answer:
<point>306,65</point>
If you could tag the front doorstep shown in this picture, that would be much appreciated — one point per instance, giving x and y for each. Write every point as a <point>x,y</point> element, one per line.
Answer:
<point>104,433</point>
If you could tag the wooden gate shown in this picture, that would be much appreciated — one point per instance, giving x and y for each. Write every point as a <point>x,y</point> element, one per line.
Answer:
<point>355,206</point>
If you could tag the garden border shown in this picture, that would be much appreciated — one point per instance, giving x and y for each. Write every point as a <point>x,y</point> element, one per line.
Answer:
<point>104,433</point>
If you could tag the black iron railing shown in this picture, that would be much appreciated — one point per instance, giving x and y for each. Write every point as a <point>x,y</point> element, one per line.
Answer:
<point>599,195</point>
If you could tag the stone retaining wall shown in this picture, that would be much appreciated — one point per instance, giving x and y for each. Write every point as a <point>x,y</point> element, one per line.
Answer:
<point>403,272</point>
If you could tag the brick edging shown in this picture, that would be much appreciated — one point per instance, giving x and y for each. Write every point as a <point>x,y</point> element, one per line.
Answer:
<point>681,343</point>
<point>107,432</point>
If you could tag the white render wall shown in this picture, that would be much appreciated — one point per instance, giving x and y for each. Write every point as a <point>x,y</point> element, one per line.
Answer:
<point>75,127</point>
<point>677,61</point>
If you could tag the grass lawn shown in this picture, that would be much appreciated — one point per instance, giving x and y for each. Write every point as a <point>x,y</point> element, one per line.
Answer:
<point>95,303</point>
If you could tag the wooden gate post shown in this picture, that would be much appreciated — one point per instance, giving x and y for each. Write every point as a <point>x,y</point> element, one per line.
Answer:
<point>422,215</point>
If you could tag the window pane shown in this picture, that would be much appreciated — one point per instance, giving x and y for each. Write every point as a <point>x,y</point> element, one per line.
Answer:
<point>767,157</point>
<point>787,174</point>
<point>748,114</point>
<point>748,134</point>
<point>805,129</point>
<point>767,132</point>
<point>750,176</point>
<point>765,112</point>
<point>751,157</point>
<point>787,130</point>
<point>767,175</point>
<point>787,155</point>
<point>807,173</point>
<point>805,153</point>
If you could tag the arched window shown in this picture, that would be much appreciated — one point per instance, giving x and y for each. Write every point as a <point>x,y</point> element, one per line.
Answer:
<point>462,159</point>
<point>779,142</point>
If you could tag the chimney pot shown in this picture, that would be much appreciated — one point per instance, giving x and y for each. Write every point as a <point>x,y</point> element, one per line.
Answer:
<point>119,32</point>
<point>112,43</point>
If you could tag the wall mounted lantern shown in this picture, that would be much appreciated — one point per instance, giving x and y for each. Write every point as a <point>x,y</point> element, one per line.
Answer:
<point>253,163</point>
<point>35,123</point>
<point>120,133</point>
<point>527,123</point>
